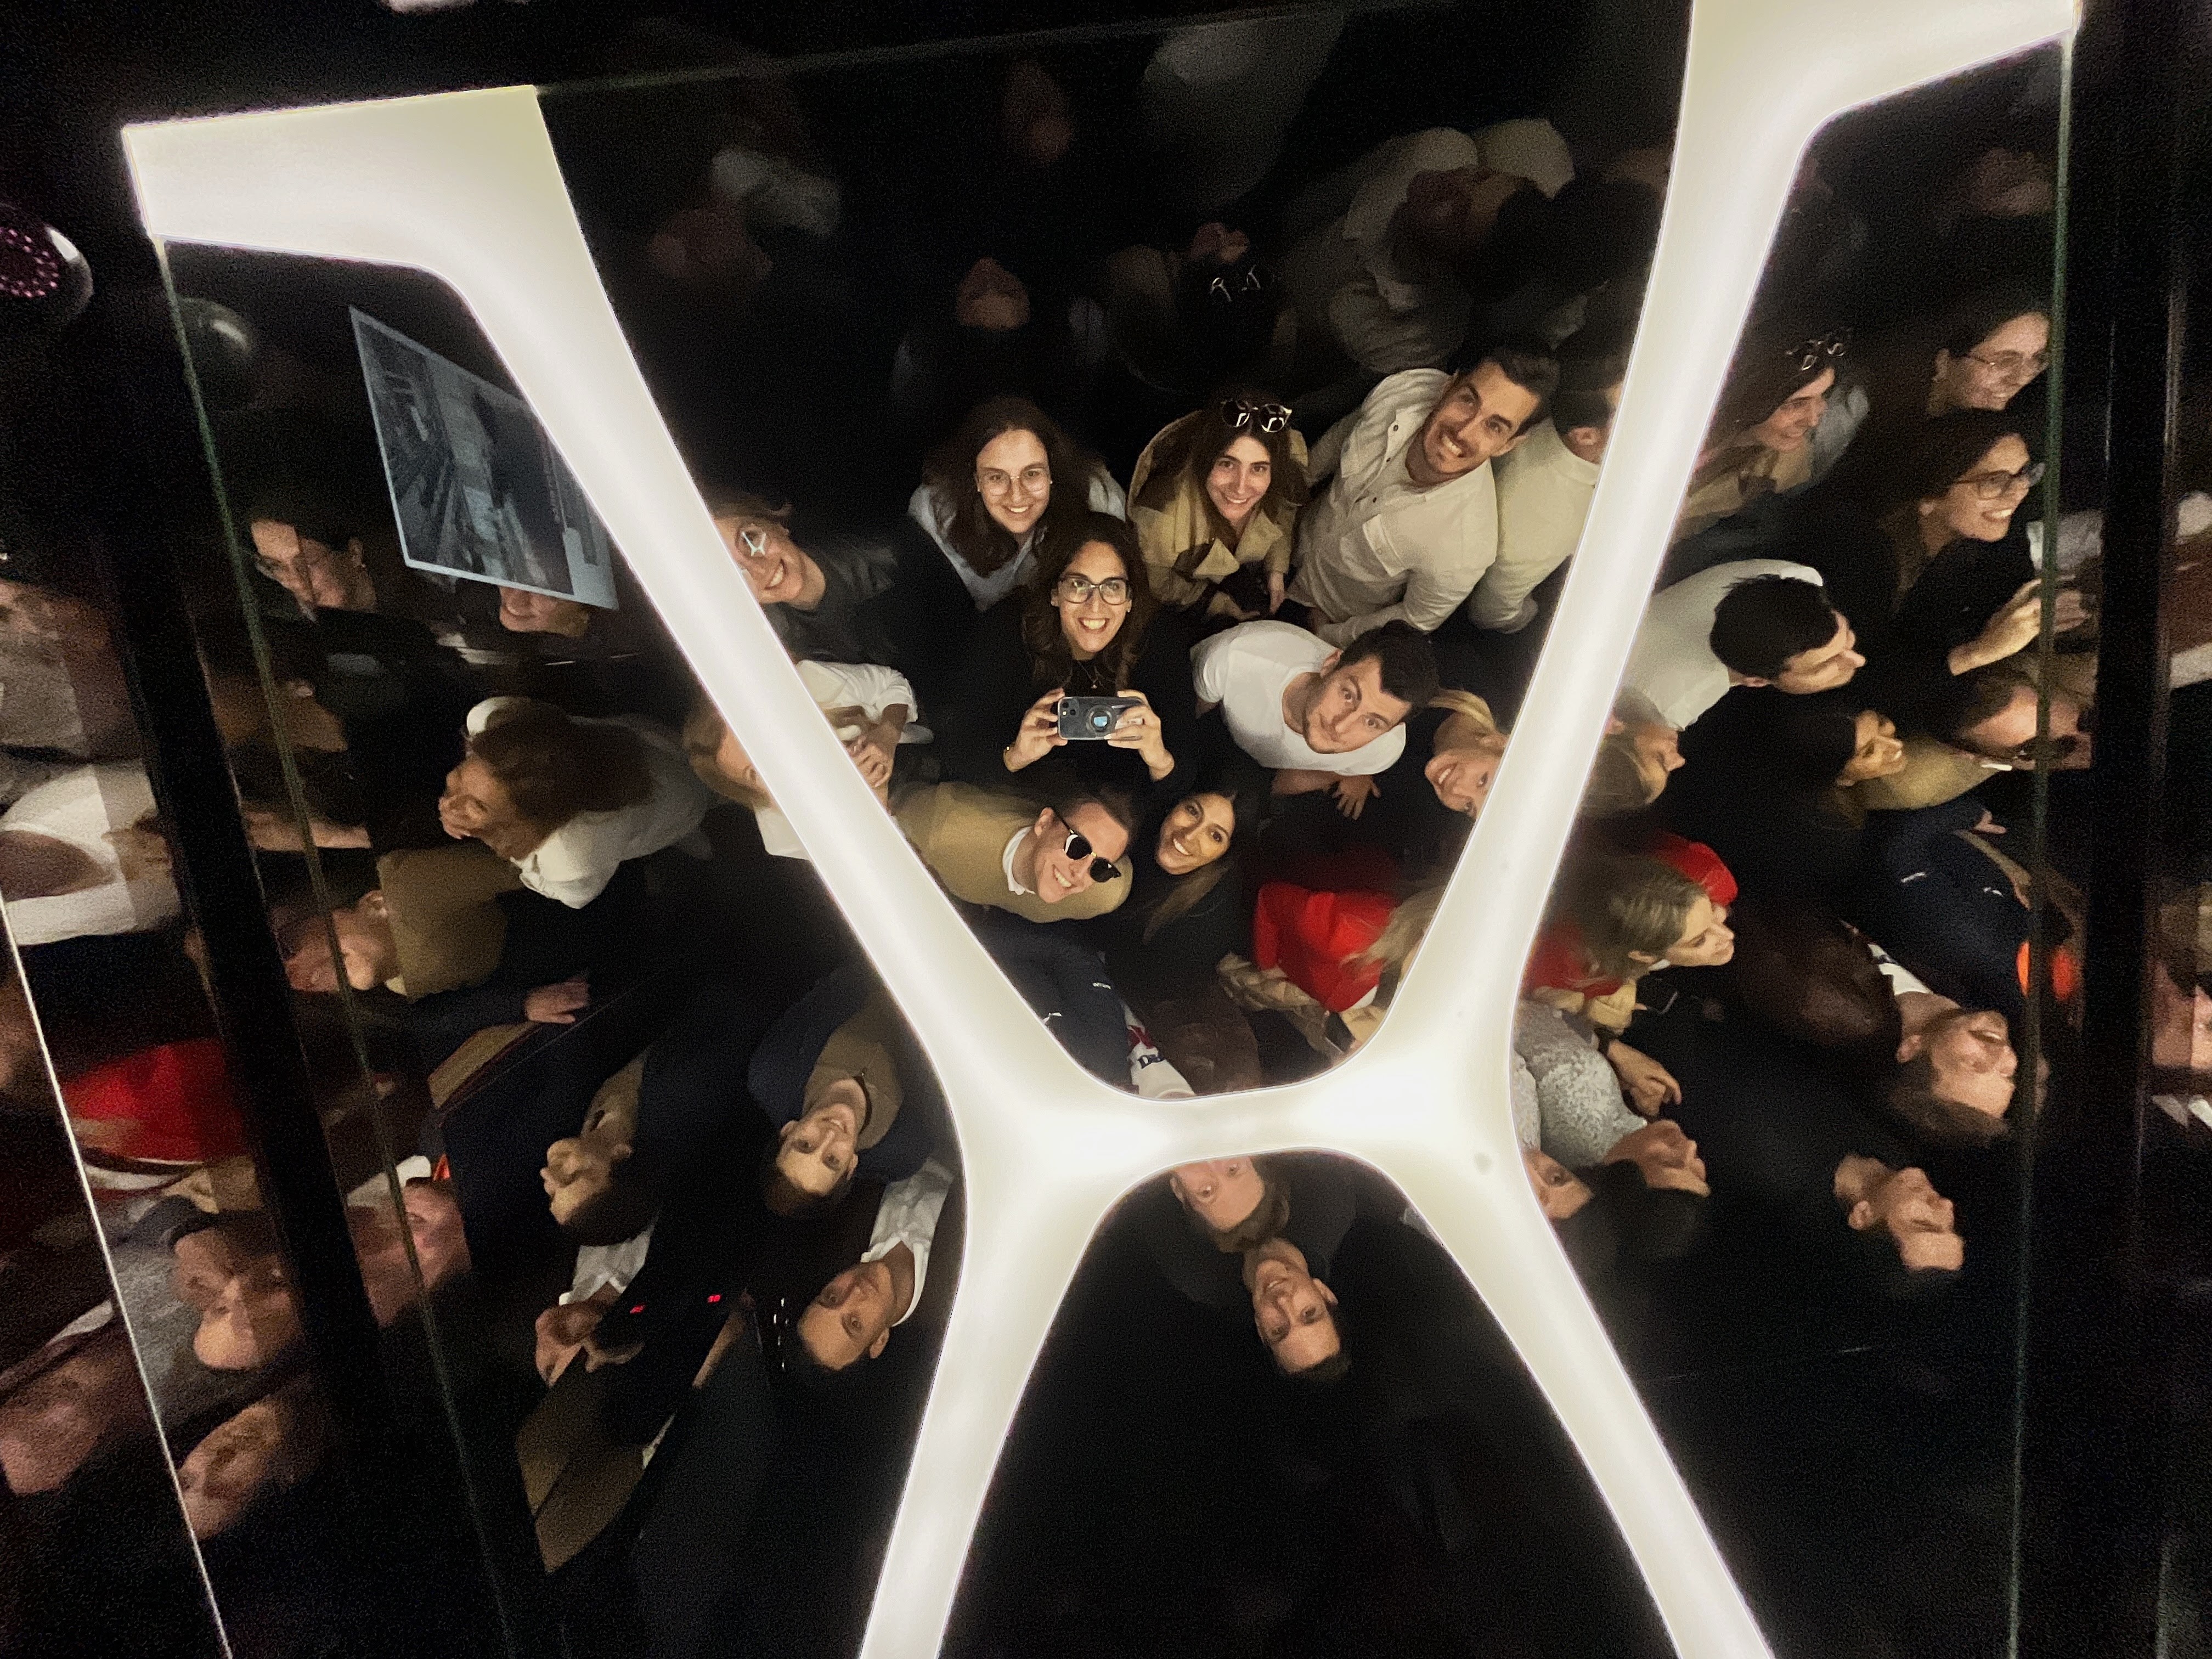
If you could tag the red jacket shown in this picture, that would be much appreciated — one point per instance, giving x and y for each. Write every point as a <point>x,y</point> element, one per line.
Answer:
<point>1314,938</point>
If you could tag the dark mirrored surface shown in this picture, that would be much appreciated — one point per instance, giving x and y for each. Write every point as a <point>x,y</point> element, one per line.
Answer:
<point>1168,510</point>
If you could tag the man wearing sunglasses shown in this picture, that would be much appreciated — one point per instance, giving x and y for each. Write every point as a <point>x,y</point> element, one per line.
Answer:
<point>1065,861</point>
<point>1408,523</point>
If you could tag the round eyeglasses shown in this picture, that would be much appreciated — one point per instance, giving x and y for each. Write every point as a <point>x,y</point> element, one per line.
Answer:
<point>1077,590</point>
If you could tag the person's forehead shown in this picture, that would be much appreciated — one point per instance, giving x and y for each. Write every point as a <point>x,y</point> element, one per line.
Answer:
<point>1500,393</point>
<point>1097,556</point>
<point>1095,824</point>
<point>1019,448</point>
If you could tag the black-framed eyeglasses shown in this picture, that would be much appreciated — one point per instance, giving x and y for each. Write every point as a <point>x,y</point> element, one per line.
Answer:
<point>1078,590</point>
<point>1988,486</point>
<point>1078,849</point>
<point>1237,413</point>
<point>1810,355</point>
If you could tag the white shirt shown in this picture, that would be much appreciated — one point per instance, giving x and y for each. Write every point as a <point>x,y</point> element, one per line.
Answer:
<point>1672,662</point>
<point>907,1215</point>
<point>83,807</point>
<point>934,515</point>
<point>576,862</point>
<point>1006,860</point>
<point>865,686</point>
<point>1544,491</point>
<point>1247,668</point>
<point>1378,547</point>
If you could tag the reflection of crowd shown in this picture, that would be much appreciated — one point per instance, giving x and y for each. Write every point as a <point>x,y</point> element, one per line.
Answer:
<point>1179,624</point>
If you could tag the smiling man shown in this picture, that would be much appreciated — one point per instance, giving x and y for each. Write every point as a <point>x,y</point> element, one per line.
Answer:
<point>1317,719</point>
<point>850,1318</point>
<point>1409,522</point>
<point>1062,862</point>
<point>1294,1311</point>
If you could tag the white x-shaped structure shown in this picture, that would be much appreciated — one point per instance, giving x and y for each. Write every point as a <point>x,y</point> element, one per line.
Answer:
<point>467,186</point>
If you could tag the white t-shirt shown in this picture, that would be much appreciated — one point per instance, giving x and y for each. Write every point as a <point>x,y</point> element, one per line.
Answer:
<point>1245,669</point>
<point>1673,662</point>
<point>575,862</point>
<point>84,807</point>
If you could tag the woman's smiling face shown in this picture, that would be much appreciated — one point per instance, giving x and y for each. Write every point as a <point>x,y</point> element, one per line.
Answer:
<point>1195,833</point>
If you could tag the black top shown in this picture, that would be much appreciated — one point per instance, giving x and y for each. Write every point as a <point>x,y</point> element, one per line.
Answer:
<point>1323,1200</point>
<point>1180,956</point>
<point>999,679</point>
<point>1751,790</point>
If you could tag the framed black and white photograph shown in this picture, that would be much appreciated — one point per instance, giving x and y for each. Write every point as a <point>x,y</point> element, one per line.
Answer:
<point>476,485</point>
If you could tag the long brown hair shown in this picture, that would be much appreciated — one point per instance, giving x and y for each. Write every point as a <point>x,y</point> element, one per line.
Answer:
<point>1198,441</point>
<point>949,472</point>
<point>1052,661</point>
<point>555,768</point>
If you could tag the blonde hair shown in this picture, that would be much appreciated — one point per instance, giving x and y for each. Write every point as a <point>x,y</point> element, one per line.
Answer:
<point>1618,784</point>
<point>1629,909</point>
<point>1402,936</point>
<point>1467,705</point>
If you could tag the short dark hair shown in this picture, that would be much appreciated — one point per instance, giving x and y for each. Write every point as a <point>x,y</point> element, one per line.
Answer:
<point>1649,1223</point>
<point>1591,363</point>
<point>623,1210</point>
<point>1269,1217</point>
<point>1066,796</point>
<point>1333,1368</point>
<point>1971,698</point>
<point>1764,621</point>
<point>1933,1119</point>
<point>802,1370</point>
<point>1408,661</point>
<point>1532,368</point>
<point>555,768</point>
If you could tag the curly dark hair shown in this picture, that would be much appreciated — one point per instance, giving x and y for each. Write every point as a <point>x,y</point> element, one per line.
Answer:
<point>554,768</point>
<point>949,472</point>
<point>1053,661</point>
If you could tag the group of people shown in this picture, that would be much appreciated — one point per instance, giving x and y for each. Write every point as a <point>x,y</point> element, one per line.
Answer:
<point>1191,728</point>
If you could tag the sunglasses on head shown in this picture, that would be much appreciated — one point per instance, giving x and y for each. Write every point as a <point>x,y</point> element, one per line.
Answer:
<point>1078,849</point>
<point>1237,413</point>
<point>1225,290</point>
<point>1810,355</point>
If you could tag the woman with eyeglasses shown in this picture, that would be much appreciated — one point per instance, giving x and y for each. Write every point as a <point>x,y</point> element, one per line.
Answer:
<point>1984,352</point>
<point>1932,562</point>
<point>1761,441</point>
<point>988,492</point>
<point>1087,628</point>
<point>1215,499</point>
